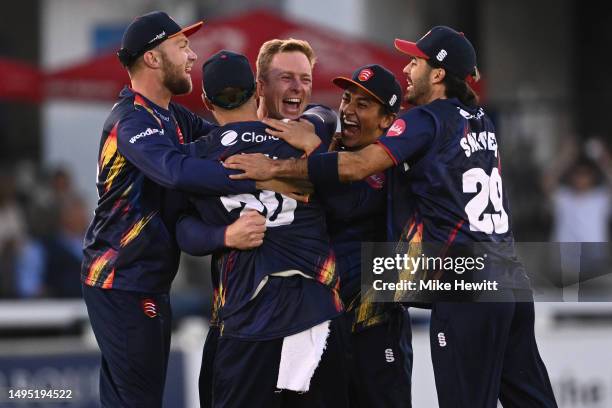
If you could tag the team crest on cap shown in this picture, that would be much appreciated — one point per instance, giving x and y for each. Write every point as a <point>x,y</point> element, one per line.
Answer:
<point>365,74</point>
<point>397,128</point>
<point>149,307</point>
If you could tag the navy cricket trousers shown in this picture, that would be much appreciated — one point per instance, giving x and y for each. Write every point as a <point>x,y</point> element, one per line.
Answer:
<point>485,351</point>
<point>133,332</point>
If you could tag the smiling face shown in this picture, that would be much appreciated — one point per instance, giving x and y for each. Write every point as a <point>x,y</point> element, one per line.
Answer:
<point>287,85</point>
<point>418,90</point>
<point>362,118</point>
<point>177,61</point>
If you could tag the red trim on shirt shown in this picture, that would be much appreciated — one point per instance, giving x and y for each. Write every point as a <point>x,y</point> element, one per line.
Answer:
<point>395,162</point>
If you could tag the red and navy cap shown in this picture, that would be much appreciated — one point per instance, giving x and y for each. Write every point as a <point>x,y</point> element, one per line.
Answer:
<point>227,69</point>
<point>378,82</point>
<point>147,31</point>
<point>448,48</point>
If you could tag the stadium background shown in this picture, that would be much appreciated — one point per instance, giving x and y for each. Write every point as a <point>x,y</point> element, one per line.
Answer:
<point>545,70</point>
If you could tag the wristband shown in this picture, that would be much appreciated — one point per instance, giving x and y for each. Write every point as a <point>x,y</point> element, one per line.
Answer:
<point>323,169</point>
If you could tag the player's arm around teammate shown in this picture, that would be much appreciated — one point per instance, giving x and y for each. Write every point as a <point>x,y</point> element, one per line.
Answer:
<point>380,333</point>
<point>130,251</point>
<point>380,339</point>
<point>278,273</point>
<point>489,346</point>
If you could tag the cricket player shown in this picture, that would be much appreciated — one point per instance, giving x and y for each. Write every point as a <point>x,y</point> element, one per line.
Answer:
<point>277,305</point>
<point>130,252</point>
<point>283,87</point>
<point>448,189</point>
<point>379,334</point>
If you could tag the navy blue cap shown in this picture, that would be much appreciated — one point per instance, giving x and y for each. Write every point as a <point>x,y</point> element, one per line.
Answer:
<point>378,82</point>
<point>447,47</point>
<point>147,31</point>
<point>224,70</point>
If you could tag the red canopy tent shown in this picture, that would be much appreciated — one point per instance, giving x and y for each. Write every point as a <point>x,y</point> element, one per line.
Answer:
<point>102,77</point>
<point>19,81</point>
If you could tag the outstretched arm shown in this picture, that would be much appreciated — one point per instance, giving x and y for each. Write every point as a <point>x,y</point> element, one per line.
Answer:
<point>143,143</point>
<point>401,143</point>
<point>563,160</point>
<point>322,168</point>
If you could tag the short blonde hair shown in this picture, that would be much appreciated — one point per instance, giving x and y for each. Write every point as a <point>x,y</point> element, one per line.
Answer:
<point>272,47</point>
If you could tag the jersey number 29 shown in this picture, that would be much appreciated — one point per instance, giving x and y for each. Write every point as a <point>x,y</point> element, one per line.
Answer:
<point>490,189</point>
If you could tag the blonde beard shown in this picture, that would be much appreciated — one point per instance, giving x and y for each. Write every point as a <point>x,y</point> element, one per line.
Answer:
<point>172,79</point>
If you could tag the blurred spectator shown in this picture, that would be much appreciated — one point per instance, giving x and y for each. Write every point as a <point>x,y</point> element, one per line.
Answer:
<point>12,232</point>
<point>580,191</point>
<point>61,182</point>
<point>64,249</point>
<point>45,199</point>
<point>47,262</point>
<point>51,266</point>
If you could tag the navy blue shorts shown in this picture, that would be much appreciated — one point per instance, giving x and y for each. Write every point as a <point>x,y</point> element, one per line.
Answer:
<point>380,363</point>
<point>485,351</point>
<point>245,375</point>
<point>133,332</point>
<point>206,369</point>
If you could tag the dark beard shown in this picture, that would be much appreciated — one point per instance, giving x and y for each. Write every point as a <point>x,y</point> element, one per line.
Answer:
<point>420,91</point>
<point>173,80</point>
<point>413,97</point>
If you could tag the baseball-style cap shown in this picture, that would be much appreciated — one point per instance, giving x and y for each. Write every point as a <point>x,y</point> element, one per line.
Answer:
<point>147,31</point>
<point>449,48</point>
<point>227,69</point>
<point>378,82</point>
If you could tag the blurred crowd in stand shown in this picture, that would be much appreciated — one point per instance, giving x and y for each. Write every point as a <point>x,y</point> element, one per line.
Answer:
<point>579,191</point>
<point>43,219</point>
<point>42,223</point>
<point>567,198</point>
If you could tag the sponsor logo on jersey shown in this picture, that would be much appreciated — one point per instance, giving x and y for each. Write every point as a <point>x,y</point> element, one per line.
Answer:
<point>149,307</point>
<point>389,355</point>
<point>229,138</point>
<point>441,55</point>
<point>376,181</point>
<point>397,128</point>
<point>442,339</point>
<point>252,137</point>
<point>144,133</point>
<point>163,117</point>
<point>365,74</point>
